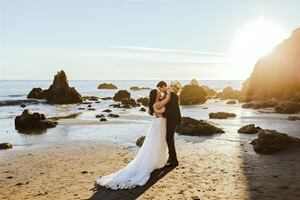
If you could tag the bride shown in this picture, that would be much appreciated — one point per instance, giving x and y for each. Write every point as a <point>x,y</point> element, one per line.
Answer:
<point>152,155</point>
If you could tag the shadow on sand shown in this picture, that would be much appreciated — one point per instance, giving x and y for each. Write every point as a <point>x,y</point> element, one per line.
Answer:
<point>105,193</point>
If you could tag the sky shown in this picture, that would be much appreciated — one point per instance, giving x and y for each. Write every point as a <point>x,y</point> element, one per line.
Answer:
<point>140,40</point>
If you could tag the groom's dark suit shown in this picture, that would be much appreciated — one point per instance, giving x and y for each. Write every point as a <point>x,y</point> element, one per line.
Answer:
<point>173,116</point>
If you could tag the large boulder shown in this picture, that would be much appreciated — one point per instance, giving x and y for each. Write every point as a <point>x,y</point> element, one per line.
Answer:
<point>221,115</point>
<point>108,86</point>
<point>194,82</point>
<point>277,74</point>
<point>210,92</point>
<point>5,145</point>
<point>192,94</point>
<point>32,122</point>
<point>271,141</point>
<point>287,107</point>
<point>121,95</point>
<point>265,104</point>
<point>130,102</point>
<point>193,127</point>
<point>135,88</point>
<point>228,93</point>
<point>36,93</point>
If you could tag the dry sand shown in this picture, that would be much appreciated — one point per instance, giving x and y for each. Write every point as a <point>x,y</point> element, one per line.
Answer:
<point>212,169</point>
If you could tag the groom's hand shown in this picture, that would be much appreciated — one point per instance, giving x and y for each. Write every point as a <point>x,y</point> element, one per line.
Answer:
<point>157,115</point>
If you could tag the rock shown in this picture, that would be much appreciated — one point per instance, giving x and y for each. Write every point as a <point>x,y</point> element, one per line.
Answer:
<point>135,88</point>
<point>5,145</point>
<point>293,118</point>
<point>31,122</point>
<point>103,120</point>
<point>91,98</point>
<point>113,115</point>
<point>130,102</point>
<point>271,141</point>
<point>140,141</point>
<point>36,93</point>
<point>89,106</point>
<point>143,110</point>
<point>126,106</point>
<point>194,82</point>
<point>18,102</point>
<point>247,105</point>
<point>192,94</point>
<point>244,98</point>
<point>23,106</point>
<point>265,104</point>
<point>277,73</point>
<point>91,109</point>
<point>221,115</point>
<point>146,88</point>
<point>97,101</point>
<point>106,98</point>
<point>121,95</point>
<point>287,107</point>
<point>109,86</point>
<point>228,93</point>
<point>81,108</point>
<point>107,110</point>
<point>296,98</point>
<point>249,129</point>
<point>99,116</point>
<point>205,87</point>
<point>193,127</point>
<point>118,105</point>
<point>231,102</point>
<point>144,101</point>
<point>211,93</point>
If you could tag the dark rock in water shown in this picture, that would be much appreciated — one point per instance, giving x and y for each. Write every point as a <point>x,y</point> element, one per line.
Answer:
<point>277,73</point>
<point>293,118</point>
<point>144,101</point>
<point>192,94</point>
<point>130,102</point>
<point>228,93</point>
<point>107,110</point>
<point>106,98</point>
<point>89,106</point>
<point>99,116</point>
<point>36,93</point>
<point>271,141</point>
<point>121,95</point>
<point>97,101</point>
<point>81,108</point>
<point>143,110</point>
<point>86,102</point>
<point>60,92</point>
<point>92,109</point>
<point>287,108</point>
<point>135,88</point>
<point>113,115</point>
<point>265,104</point>
<point>91,98</point>
<point>221,115</point>
<point>31,122</point>
<point>247,105</point>
<point>140,141</point>
<point>146,88</point>
<point>118,105</point>
<point>109,86</point>
<point>18,102</point>
<point>231,102</point>
<point>127,106</point>
<point>23,106</point>
<point>103,120</point>
<point>5,145</point>
<point>249,129</point>
<point>193,127</point>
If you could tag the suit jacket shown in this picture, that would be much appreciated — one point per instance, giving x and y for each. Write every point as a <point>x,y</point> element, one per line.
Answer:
<point>172,112</point>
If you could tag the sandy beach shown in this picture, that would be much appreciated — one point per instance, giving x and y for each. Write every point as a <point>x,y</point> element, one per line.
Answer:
<point>214,168</point>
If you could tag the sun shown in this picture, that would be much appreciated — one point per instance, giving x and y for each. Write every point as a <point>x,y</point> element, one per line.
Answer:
<point>254,41</point>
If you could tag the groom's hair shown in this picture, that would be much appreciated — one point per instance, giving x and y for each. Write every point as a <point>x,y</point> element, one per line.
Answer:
<point>161,84</point>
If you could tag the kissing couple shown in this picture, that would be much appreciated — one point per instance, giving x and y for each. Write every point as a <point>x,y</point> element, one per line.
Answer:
<point>158,149</point>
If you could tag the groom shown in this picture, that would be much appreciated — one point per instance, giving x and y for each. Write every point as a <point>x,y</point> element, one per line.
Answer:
<point>173,116</point>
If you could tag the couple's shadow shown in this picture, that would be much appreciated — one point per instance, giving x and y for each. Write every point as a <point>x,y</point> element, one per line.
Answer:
<point>104,193</point>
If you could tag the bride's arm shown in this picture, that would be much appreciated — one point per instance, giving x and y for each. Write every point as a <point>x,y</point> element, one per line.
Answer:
<point>160,104</point>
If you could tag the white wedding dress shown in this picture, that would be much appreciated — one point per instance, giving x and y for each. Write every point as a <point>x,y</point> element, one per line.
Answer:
<point>152,155</point>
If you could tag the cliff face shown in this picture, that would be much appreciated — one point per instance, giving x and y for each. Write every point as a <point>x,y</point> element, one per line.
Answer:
<point>278,73</point>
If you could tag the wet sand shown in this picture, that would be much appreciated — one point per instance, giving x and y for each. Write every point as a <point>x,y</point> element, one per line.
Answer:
<point>213,168</point>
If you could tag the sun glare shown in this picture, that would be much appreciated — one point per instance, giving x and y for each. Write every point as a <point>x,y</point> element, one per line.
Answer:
<point>255,41</point>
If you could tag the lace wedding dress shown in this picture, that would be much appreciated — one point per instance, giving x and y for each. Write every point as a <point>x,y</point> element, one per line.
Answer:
<point>152,155</point>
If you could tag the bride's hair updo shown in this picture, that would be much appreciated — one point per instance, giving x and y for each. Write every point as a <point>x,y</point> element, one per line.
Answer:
<point>152,98</point>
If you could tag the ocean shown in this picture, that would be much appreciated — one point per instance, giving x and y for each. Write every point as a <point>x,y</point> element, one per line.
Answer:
<point>132,122</point>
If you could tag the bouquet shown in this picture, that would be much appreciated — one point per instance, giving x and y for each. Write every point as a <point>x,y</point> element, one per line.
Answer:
<point>174,87</point>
